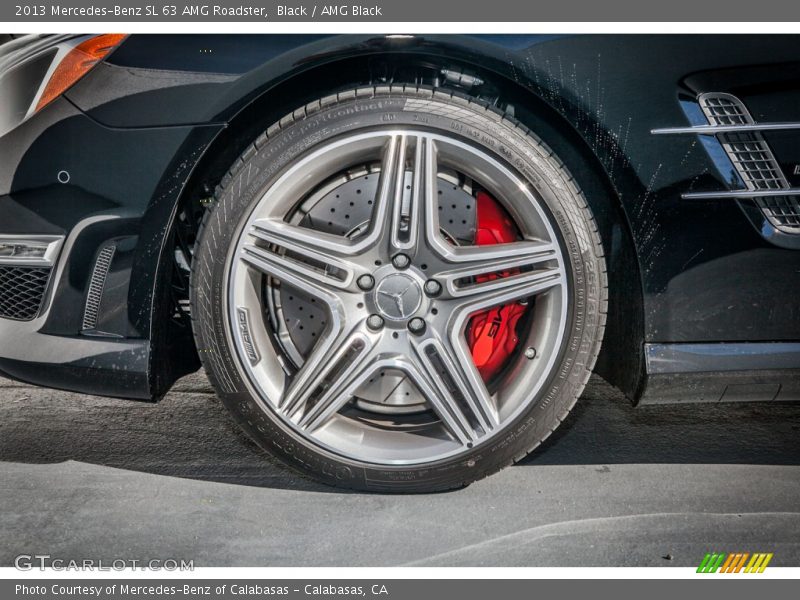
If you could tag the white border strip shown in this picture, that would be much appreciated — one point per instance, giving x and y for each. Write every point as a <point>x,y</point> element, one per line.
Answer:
<point>386,573</point>
<point>399,27</point>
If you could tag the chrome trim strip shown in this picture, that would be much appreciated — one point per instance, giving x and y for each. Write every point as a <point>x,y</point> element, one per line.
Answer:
<point>720,356</point>
<point>714,129</point>
<point>48,260</point>
<point>741,194</point>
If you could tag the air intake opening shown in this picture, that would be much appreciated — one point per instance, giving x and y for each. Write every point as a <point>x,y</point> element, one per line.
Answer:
<point>753,160</point>
<point>22,291</point>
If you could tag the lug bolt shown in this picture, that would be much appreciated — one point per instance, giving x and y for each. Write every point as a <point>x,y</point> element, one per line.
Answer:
<point>530,353</point>
<point>374,322</point>
<point>366,282</point>
<point>416,325</point>
<point>433,287</point>
<point>401,261</point>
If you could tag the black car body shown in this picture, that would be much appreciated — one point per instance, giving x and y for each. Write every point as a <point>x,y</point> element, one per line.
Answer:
<point>704,265</point>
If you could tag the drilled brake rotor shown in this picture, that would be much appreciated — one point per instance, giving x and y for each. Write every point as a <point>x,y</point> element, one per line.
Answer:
<point>343,206</point>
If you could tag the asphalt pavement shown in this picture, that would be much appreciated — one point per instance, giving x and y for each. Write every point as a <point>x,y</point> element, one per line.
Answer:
<point>87,477</point>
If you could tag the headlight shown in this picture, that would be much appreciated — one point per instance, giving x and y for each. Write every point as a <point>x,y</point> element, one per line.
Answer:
<point>35,70</point>
<point>76,63</point>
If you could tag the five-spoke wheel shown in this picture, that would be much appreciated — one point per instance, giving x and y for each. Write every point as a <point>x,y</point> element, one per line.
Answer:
<point>374,314</point>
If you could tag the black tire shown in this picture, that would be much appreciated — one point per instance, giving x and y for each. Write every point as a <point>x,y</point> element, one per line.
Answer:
<point>294,135</point>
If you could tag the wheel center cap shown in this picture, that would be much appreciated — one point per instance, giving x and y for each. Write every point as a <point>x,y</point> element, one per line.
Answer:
<point>398,296</point>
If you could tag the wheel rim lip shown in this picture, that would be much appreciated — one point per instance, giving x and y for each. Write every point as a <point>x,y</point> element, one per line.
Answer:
<point>264,389</point>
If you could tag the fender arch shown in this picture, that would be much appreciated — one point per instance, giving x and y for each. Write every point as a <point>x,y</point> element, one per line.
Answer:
<point>573,131</point>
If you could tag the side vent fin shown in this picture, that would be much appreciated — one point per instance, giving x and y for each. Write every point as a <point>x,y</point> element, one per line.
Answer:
<point>753,160</point>
<point>96,285</point>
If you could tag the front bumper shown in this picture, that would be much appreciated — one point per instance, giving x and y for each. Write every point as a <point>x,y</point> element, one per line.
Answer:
<point>64,175</point>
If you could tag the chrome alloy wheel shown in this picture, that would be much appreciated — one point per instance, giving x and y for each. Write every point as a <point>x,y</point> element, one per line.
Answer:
<point>396,294</point>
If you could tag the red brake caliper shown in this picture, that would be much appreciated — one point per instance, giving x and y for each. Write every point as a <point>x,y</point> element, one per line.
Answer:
<point>492,334</point>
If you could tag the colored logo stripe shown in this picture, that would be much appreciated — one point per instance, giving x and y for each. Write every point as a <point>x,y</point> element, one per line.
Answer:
<point>734,562</point>
<point>758,563</point>
<point>711,562</point>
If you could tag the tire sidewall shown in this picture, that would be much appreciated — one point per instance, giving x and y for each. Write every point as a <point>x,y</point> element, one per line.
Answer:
<point>464,119</point>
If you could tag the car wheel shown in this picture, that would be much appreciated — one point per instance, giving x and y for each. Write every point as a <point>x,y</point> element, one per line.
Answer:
<point>398,289</point>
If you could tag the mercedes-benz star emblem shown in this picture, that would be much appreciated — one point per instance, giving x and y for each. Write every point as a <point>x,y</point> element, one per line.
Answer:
<point>398,296</point>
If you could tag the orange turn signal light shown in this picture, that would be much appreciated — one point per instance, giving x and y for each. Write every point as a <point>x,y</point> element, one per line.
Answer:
<point>77,63</point>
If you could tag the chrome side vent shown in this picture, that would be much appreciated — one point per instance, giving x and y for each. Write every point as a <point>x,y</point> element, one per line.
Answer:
<point>724,109</point>
<point>753,160</point>
<point>96,285</point>
<point>784,210</point>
